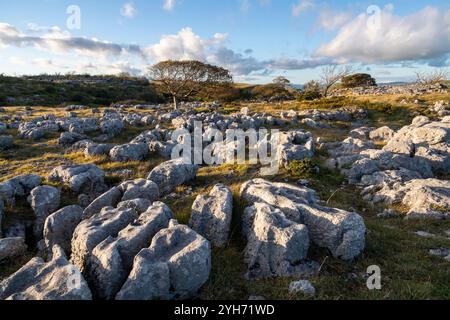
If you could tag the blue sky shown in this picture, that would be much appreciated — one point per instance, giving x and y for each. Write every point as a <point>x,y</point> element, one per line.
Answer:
<point>256,39</point>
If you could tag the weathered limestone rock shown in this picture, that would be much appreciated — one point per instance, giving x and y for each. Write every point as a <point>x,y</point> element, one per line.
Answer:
<point>54,280</point>
<point>171,174</point>
<point>303,286</point>
<point>59,227</point>
<point>108,199</point>
<point>112,259</point>
<point>139,188</point>
<point>44,200</point>
<point>276,246</point>
<point>90,232</point>
<point>80,178</point>
<point>342,232</point>
<point>19,186</point>
<point>11,248</point>
<point>382,134</point>
<point>211,215</point>
<point>175,266</point>
<point>129,152</point>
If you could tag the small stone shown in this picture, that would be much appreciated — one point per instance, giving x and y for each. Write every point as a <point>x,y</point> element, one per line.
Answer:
<point>302,286</point>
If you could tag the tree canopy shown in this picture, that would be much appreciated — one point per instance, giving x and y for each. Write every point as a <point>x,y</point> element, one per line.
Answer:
<point>182,79</point>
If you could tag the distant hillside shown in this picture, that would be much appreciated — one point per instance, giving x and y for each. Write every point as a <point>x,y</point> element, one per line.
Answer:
<point>78,89</point>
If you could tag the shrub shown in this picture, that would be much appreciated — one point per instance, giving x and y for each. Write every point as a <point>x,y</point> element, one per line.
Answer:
<point>358,80</point>
<point>304,168</point>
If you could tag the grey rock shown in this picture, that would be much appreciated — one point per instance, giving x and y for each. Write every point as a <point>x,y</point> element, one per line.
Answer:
<point>211,215</point>
<point>342,232</point>
<point>112,127</point>
<point>12,248</point>
<point>90,232</point>
<point>112,259</point>
<point>69,138</point>
<point>139,205</point>
<point>139,188</point>
<point>86,178</point>
<point>175,266</point>
<point>44,200</point>
<point>129,152</point>
<point>382,134</point>
<point>54,280</point>
<point>95,150</point>
<point>59,227</point>
<point>108,199</point>
<point>276,246</point>
<point>171,174</point>
<point>302,286</point>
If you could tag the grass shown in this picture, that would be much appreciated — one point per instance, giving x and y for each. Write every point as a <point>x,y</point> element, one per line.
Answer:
<point>408,271</point>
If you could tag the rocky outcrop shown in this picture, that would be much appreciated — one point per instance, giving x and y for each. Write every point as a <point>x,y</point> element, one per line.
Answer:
<point>128,190</point>
<point>90,232</point>
<point>59,227</point>
<point>38,280</point>
<point>171,174</point>
<point>129,152</point>
<point>112,259</point>
<point>175,266</point>
<point>86,178</point>
<point>276,246</point>
<point>12,248</point>
<point>44,200</point>
<point>19,186</point>
<point>211,215</point>
<point>341,232</point>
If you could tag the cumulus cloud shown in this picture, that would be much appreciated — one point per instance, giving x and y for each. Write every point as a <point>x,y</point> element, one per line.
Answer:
<point>422,36</point>
<point>302,6</point>
<point>128,10</point>
<point>169,5</point>
<point>185,45</point>
<point>331,20</point>
<point>59,41</point>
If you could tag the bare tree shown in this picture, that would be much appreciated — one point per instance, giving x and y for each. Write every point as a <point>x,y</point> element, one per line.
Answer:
<point>182,79</point>
<point>432,77</point>
<point>331,75</point>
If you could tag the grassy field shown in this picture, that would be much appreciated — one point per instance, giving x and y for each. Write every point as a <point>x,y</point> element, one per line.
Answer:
<point>408,271</point>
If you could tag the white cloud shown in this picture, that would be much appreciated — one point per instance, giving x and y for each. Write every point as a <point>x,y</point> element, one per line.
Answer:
<point>331,20</point>
<point>59,41</point>
<point>302,6</point>
<point>185,45</point>
<point>169,5</point>
<point>128,10</point>
<point>422,36</point>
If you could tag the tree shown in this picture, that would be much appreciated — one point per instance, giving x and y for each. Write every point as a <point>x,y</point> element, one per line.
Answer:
<point>282,82</point>
<point>182,79</point>
<point>331,75</point>
<point>358,80</point>
<point>432,77</point>
<point>311,90</point>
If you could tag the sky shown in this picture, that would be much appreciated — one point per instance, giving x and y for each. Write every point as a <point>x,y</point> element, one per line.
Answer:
<point>257,40</point>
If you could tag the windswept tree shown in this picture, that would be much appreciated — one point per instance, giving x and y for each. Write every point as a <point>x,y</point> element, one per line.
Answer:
<point>432,77</point>
<point>183,79</point>
<point>282,82</point>
<point>331,75</point>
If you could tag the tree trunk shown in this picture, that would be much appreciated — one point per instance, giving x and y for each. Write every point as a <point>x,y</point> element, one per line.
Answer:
<point>175,103</point>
